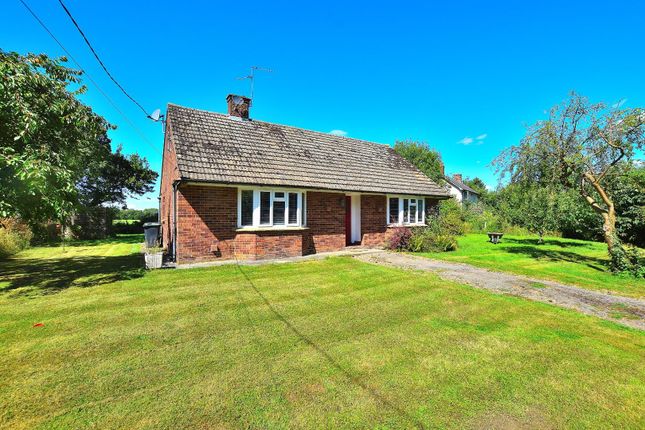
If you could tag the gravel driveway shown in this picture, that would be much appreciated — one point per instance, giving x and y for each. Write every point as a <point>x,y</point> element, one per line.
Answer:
<point>623,310</point>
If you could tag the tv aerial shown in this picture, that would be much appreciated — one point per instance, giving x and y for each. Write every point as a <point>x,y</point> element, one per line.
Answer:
<point>251,76</point>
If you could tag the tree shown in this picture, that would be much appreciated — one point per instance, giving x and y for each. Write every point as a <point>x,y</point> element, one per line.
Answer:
<point>628,191</point>
<point>54,151</point>
<point>477,185</point>
<point>423,157</point>
<point>579,147</point>
<point>532,207</point>
<point>116,177</point>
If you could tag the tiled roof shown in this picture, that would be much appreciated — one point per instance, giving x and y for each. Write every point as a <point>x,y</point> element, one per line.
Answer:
<point>460,185</point>
<point>213,147</point>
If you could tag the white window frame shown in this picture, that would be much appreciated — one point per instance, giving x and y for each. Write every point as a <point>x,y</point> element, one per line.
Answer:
<point>420,219</point>
<point>272,198</point>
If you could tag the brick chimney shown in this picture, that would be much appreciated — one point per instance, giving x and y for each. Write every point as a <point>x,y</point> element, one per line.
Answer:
<point>457,177</point>
<point>238,106</point>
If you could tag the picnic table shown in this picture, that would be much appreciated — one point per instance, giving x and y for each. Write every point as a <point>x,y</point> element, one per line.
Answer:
<point>495,237</point>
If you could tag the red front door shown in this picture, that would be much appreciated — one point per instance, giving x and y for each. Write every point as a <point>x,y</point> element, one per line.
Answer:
<point>348,220</point>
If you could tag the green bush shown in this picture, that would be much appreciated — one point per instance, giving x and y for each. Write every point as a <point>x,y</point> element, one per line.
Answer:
<point>399,239</point>
<point>449,218</point>
<point>14,237</point>
<point>430,239</point>
<point>478,219</point>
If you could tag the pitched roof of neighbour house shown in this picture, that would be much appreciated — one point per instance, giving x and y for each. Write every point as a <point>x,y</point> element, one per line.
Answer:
<point>460,185</point>
<point>213,147</point>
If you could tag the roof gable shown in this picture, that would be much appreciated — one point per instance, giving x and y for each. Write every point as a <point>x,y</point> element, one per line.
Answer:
<point>213,147</point>
<point>460,185</point>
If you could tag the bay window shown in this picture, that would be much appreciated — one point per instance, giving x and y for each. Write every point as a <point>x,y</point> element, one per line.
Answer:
<point>270,208</point>
<point>404,210</point>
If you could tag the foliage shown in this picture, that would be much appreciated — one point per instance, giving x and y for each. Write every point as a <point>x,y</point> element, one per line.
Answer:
<point>628,191</point>
<point>132,220</point>
<point>399,239</point>
<point>423,157</point>
<point>431,239</point>
<point>533,207</point>
<point>478,185</point>
<point>479,218</point>
<point>54,151</point>
<point>450,217</point>
<point>580,147</point>
<point>438,235</point>
<point>143,215</point>
<point>14,237</point>
<point>629,260</point>
<point>114,178</point>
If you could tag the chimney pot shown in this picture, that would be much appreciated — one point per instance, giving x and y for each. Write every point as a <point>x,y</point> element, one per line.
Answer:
<point>238,106</point>
<point>457,177</point>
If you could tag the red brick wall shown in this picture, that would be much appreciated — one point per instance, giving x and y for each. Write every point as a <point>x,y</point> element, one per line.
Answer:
<point>326,222</point>
<point>208,222</point>
<point>169,173</point>
<point>207,229</point>
<point>207,217</point>
<point>373,227</point>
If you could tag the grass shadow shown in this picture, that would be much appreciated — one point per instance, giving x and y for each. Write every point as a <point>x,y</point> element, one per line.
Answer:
<point>37,276</point>
<point>119,239</point>
<point>553,242</point>
<point>538,253</point>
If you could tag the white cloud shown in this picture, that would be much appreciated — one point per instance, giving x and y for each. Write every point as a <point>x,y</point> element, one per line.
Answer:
<point>466,141</point>
<point>482,136</point>
<point>338,133</point>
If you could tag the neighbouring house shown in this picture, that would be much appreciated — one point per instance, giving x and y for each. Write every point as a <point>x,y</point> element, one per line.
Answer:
<point>460,191</point>
<point>234,187</point>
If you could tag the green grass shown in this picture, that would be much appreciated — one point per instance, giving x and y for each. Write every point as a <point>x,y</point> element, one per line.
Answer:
<point>569,261</point>
<point>334,343</point>
<point>125,221</point>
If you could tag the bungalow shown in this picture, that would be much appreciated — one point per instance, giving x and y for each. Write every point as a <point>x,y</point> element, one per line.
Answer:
<point>460,191</point>
<point>233,187</point>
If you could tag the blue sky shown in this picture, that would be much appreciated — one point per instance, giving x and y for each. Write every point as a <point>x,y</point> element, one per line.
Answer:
<point>465,77</point>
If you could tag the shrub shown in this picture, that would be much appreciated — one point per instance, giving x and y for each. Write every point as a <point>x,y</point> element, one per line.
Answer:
<point>14,237</point>
<point>399,239</point>
<point>430,239</point>
<point>127,227</point>
<point>479,219</point>
<point>628,260</point>
<point>450,217</point>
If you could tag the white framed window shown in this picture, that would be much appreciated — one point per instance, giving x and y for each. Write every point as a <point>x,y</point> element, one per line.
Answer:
<point>260,207</point>
<point>405,210</point>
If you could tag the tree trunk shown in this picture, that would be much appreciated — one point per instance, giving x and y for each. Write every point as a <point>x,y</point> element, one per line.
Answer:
<point>609,228</point>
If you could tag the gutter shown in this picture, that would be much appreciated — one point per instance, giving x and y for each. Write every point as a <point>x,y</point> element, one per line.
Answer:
<point>299,187</point>
<point>175,185</point>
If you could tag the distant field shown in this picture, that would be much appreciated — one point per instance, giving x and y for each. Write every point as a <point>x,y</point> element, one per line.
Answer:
<point>569,261</point>
<point>125,221</point>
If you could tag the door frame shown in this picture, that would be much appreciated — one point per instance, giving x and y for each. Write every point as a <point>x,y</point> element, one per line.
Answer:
<point>352,219</point>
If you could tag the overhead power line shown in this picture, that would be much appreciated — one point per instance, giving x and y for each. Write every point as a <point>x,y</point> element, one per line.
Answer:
<point>69,14</point>
<point>71,57</point>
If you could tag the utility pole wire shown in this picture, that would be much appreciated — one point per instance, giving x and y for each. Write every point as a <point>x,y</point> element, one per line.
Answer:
<point>71,57</point>
<point>69,14</point>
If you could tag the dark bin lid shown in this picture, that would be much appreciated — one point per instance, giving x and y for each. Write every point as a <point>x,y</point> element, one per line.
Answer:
<point>151,224</point>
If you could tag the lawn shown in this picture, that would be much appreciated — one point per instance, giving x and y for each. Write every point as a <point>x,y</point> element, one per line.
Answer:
<point>330,343</point>
<point>575,262</point>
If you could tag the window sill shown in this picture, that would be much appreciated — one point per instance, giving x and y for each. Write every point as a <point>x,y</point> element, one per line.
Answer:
<point>272,228</point>
<point>406,225</point>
